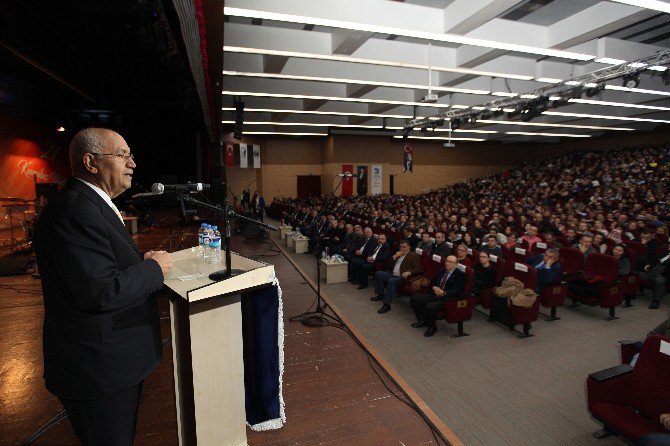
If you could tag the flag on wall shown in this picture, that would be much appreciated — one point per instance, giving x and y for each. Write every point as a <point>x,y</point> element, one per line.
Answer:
<point>244,163</point>
<point>376,179</point>
<point>230,154</point>
<point>408,154</point>
<point>257,156</point>
<point>347,181</point>
<point>362,180</point>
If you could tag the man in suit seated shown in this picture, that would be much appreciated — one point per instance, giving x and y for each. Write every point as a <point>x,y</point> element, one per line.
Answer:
<point>491,247</point>
<point>411,238</point>
<point>440,247</point>
<point>402,264</point>
<point>366,245</point>
<point>362,266</point>
<point>101,325</point>
<point>448,284</point>
<point>547,266</point>
<point>425,244</point>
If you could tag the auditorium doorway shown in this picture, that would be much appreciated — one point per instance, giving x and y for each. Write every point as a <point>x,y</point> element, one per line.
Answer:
<point>391,190</point>
<point>309,186</point>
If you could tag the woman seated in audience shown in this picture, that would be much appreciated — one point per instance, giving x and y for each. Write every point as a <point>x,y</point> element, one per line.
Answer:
<point>599,243</point>
<point>462,255</point>
<point>620,253</point>
<point>469,240</point>
<point>485,274</point>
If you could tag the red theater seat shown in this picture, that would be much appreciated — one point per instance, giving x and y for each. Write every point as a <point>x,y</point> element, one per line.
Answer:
<point>602,270</point>
<point>456,311</point>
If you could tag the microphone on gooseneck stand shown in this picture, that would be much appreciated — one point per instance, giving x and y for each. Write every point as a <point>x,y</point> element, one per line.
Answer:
<point>160,188</point>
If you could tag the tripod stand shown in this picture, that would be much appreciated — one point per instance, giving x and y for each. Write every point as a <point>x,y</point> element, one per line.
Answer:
<point>317,317</point>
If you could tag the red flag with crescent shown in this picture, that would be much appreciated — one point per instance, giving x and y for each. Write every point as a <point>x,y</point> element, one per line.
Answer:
<point>347,181</point>
<point>230,154</point>
<point>408,158</point>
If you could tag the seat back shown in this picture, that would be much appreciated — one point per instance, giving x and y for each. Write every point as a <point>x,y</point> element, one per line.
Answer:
<point>602,265</point>
<point>517,255</point>
<point>648,390</point>
<point>501,268</point>
<point>639,248</point>
<point>431,266</point>
<point>573,260</point>
<point>539,248</point>
<point>525,273</point>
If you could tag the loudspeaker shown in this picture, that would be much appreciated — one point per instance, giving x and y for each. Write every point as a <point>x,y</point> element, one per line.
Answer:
<point>252,230</point>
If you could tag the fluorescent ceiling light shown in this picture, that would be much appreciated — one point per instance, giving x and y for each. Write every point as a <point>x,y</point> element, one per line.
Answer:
<point>504,94</point>
<point>318,112</point>
<point>330,98</point>
<point>572,83</point>
<point>619,104</point>
<point>637,90</point>
<point>545,124</point>
<point>614,118</point>
<point>647,4</point>
<point>307,124</point>
<point>567,135</point>
<point>435,37</point>
<point>352,81</point>
<point>548,80</point>
<point>286,133</point>
<point>610,61</point>
<point>348,59</point>
<point>440,138</point>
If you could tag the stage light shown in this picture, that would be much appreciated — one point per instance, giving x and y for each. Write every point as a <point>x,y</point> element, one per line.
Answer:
<point>60,129</point>
<point>594,91</point>
<point>631,80</point>
<point>405,132</point>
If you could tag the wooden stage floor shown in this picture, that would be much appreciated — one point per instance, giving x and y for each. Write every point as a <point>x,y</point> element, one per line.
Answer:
<point>334,394</point>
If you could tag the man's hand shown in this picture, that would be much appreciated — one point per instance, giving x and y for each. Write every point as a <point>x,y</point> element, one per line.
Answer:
<point>405,274</point>
<point>163,258</point>
<point>370,260</point>
<point>439,292</point>
<point>665,420</point>
<point>549,262</point>
<point>359,252</point>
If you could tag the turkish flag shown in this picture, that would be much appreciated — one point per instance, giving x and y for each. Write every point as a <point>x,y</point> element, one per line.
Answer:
<point>230,154</point>
<point>347,182</point>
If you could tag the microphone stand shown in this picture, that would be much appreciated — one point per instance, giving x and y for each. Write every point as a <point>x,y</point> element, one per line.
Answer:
<point>317,317</point>
<point>226,212</point>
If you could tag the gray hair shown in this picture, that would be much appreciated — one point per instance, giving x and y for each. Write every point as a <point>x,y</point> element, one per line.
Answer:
<point>552,251</point>
<point>88,140</point>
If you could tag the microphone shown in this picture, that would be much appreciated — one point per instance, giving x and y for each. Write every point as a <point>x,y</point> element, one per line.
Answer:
<point>160,188</point>
<point>145,194</point>
<point>347,174</point>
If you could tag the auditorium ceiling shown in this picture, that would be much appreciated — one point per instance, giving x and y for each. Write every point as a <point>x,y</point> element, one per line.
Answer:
<point>364,66</point>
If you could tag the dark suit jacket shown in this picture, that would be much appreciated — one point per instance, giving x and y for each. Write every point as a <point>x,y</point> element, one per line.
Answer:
<point>411,263</point>
<point>368,247</point>
<point>455,286</point>
<point>101,327</point>
<point>383,254</point>
<point>441,249</point>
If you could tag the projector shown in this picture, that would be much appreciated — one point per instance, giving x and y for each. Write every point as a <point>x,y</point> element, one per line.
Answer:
<point>449,145</point>
<point>429,98</point>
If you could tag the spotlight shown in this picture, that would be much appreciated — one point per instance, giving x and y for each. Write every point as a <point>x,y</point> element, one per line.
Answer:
<point>631,80</point>
<point>455,123</point>
<point>439,122</point>
<point>594,91</point>
<point>405,132</point>
<point>518,110</point>
<point>470,119</point>
<point>424,129</point>
<point>485,115</point>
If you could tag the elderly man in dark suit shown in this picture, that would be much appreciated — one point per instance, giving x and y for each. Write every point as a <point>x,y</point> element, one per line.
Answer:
<point>402,264</point>
<point>449,283</point>
<point>101,326</point>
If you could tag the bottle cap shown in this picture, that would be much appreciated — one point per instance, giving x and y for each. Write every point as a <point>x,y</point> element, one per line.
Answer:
<point>215,227</point>
<point>202,225</point>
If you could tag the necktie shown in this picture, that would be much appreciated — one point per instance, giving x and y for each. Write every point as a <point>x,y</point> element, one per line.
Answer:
<point>444,279</point>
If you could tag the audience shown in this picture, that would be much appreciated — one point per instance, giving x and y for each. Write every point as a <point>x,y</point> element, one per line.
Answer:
<point>401,265</point>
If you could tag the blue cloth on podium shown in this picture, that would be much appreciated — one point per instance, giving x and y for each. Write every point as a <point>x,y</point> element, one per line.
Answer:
<point>262,331</point>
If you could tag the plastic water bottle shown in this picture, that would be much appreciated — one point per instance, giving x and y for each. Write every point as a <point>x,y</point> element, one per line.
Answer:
<point>206,240</point>
<point>215,246</point>
<point>201,232</point>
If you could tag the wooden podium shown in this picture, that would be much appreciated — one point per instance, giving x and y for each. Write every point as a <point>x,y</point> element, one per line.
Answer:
<point>207,347</point>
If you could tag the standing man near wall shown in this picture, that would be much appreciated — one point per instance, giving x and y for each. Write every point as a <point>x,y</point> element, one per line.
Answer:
<point>101,326</point>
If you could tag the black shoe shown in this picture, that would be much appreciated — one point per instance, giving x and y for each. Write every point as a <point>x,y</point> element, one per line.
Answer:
<point>419,324</point>
<point>354,282</point>
<point>430,331</point>
<point>362,286</point>
<point>384,309</point>
<point>377,297</point>
<point>654,304</point>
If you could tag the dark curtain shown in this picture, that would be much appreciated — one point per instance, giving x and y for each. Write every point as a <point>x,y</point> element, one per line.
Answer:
<point>309,186</point>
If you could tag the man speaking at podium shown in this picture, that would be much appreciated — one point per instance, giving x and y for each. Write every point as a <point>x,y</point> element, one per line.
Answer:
<point>101,326</point>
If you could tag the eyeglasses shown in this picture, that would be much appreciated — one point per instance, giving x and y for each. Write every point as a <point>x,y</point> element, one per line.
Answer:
<point>118,157</point>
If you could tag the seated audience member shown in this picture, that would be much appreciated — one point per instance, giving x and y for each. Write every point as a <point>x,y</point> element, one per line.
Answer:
<point>619,252</point>
<point>571,235</point>
<point>362,266</point>
<point>364,248</point>
<point>468,240</point>
<point>347,240</point>
<point>449,283</point>
<point>491,246</point>
<point>615,235</point>
<point>585,245</point>
<point>402,264</point>
<point>647,238</point>
<point>411,238</point>
<point>531,236</point>
<point>425,244</point>
<point>462,255</point>
<point>655,268</point>
<point>485,273</point>
<point>440,247</point>
<point>502,238</point>
<point>512,242</point>
<point>657,438</point>
<point>599,244</point>
<point>333,237</point>
<point>550,240</point>
<point>548,268</point>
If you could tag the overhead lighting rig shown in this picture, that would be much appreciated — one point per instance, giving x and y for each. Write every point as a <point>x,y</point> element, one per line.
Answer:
<point>532,104</point>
